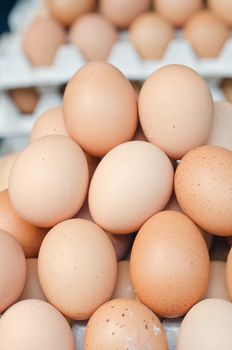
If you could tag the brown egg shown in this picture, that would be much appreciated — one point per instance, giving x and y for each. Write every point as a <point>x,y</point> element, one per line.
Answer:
<point>41,41</point>
<point>50,122</point>
<point>94,36</point>
<point>208,326</point>
<point>123,288</point>
<point>176,110</point>
<point>151,34</point>
<point>217,281</point>
<point>206,33</point>
<point>220,249</point>
<point>220,134</point>
<point>77,268</point>
<point>32,288</point>
<point>6,164</point>
<point>174,205</point>
<point>124,324</point>
<point>25,99</point>
<point>227,89</point>
<point>111,117</point>
<point>203,183</point>
<point>169,264</point>
<point>222,9</point>
<point>13,271</point>
<point>131,183</point>
<point>30,237</point>
<point>66,11</point>
<point>49,181</point>
<point>35,324</point>
<point>177,12</point>
<point>122,12</point>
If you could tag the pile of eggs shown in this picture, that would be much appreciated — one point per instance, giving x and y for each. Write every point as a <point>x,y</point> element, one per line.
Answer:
<point>93,27</point>
<point>110,176</point>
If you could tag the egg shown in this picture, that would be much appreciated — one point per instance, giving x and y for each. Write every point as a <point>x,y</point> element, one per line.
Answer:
<point>6,164</point>
<point>50,122</point>
<point>41,41</point>
<point>206,33</point>
<point>229,273</point>
<point>94,36</point>
<point>131,183</point>
<point>13,271</point>
<point>177,12</point>
<point>217,282</point>
<point>168,256</point>
<point>77,268</point>
<point>208,326</point>
<point>121,243</point>
<point>123,288</point>
<point>124,324</point>
<point>66,11</point>
<point>150,34</point>
<point>122,12</point>
<point>176,110</point>
<point>30,237</point>
<point>32,288</point>
<point>227,89</point>
<point>111,117</point>
<point>222,9</point>
<point>203,182</point>
<point>25,99</point>
<point>35,324</point>
<point>220,134</point>
<point>49,181</point>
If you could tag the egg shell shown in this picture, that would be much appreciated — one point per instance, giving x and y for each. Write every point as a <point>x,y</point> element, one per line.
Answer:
<point>6,164</point>
<point>175,264</point>
<point>25,99</point>
<point>111,117</point>
<point>206,33</point>
<point>51,122</point>
<point>203,187</point>
<point>176,110</point>
<point>32,288</point>
<point>220,134</point>
<point>35,324</point>
<point>124,324</point>
<point>29,236</point>
<point>94,36</point>
<point>13,272</point>
<point>150,34</point>
<point>222,9</point>
<point>217,281</point>
<point>49,181</point>
<point>177,12</point>
<point>123,288</point>
<point>67,11</point>
<point>208,326</point>
<point>41,41</point>
<point>122,12</point>
<point>131,183</point>
<point>75,259</point>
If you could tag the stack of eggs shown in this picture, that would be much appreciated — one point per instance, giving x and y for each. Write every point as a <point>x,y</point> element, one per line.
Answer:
<point>107,177</point>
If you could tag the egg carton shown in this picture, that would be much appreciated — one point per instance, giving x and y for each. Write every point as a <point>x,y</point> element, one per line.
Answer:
<point>13,124</point>
<point>16,70</point>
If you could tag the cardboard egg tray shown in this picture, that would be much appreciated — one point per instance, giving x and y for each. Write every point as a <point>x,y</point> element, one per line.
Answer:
<point>16,70</point>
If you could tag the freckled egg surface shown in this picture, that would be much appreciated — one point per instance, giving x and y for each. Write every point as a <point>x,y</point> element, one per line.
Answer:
<point>50,122</point>
<point>169,264</point>
<point>77,267</point>
<point>100,108</point>
<point>131,183</point>
<point>49,180</point>
<point>203,187</point>
<point>35,324</point>
<point>124,324</point>
<point>208,326</point>
<point>176,110</point>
